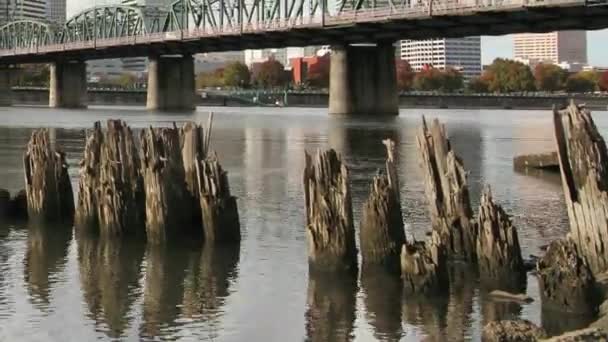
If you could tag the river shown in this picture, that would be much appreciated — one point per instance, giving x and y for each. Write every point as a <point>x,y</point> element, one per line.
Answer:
<point>55,286</point>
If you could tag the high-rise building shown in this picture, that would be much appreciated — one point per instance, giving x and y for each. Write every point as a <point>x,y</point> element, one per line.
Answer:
<point>22,9</point>
<point>55,11</point>
<point>282,55</point>
<point>463,54</point>
<point>556,47</point>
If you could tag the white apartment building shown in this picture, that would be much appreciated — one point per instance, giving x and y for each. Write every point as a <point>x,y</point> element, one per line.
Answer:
<point>282,55</point>
<point>55,11</point>
<point>23,9</point>
<point>555,47</point>
<point>463,54</point>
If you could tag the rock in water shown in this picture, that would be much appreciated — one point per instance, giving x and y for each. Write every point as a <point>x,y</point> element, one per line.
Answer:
<point>168,203</point>
<point>446,191</point>
<point>584,168</point>
<point>111,193</point>
<point>498,252</point>
<point>219,209</point>
<point>566,281</point>
<point>329,214</point>
<point>512,331</point>
<point>424,266</point>
<point>47,183</point>
<point>381,231</point>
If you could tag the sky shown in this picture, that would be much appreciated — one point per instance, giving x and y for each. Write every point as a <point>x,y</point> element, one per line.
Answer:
<point>491,47</point>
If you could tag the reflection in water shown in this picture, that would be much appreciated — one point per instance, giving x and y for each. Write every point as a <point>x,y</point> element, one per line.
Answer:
<point>109,276</point>
<point>496,310</point>
<point>5,252</point>
<point>166,267</point>
<point>445,317</point>
<point>207,284</point>
<point>559,322</point>
<point>383,293</point>
<point>46,256</point>
<point>330,312</point>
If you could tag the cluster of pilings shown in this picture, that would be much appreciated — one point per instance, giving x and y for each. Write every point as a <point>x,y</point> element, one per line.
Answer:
<point>163,184</point>
<point>489,242</point>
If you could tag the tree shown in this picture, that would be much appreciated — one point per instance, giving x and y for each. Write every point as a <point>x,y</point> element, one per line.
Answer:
<point>318,73</point>
<point>210,79</point>
<point>602,81</point>
<point>582,82</point>
<point>405,75</point>
<point>505,76</point>
<point>478,85</point>
<point>33,75</point>
<point>270,73</point>
<point>549,77</point>
<point>236,74</point>
<point>435,79</point>
<point>126,81</point>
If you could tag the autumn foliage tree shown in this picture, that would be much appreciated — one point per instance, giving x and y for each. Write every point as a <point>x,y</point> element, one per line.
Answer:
<point>318,73</point>
<point>236,74</point>
<point>269,74</point>
<point>210,79</point>
<point>549,77</point>
<point>505,76</point>
<point>582,82</point>
<point>435,79</point>
<point>405,75</point>
<point>602,81</point>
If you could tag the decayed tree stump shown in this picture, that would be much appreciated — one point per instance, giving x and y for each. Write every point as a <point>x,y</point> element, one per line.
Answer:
<point>195,146</point>
<point>168,203</point>
<point>446,191</point>
<point>498,251</point>
<point>329,218</point>
<point>47,183</point>
<point>88,184</point>
<point>381,231</point>
<point>566,281</point>
<point>515,331</point>
<point>111,193</point>
<point>584,168</point>
<point>219,210</point>
<point>424,265</point>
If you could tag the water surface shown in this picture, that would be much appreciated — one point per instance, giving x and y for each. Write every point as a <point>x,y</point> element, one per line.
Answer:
<point>56,286</point>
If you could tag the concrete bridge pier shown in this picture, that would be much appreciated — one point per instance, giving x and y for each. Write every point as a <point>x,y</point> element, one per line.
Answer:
<point>171,83</point>
<point>68,84</point>
<point>6,93</point>
<point>362,80</point>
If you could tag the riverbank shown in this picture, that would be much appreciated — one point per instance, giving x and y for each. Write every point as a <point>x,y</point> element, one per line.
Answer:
<point>98,97</point>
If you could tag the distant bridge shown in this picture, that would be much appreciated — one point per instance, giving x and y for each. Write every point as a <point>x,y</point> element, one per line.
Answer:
<point>193,26</point>
<point>362,79</point>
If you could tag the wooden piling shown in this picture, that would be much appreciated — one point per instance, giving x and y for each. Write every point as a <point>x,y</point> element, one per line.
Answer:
<point>424,265</point>
<point>446,191</point>
<point>381,232</point>
<point>566,281</point>
<point>219,209</point>
<point>498,252</point>
<point>168,203</point>
<point>111,193</point>
<point>584,168</point>
<point>329,218</point>
<point>47,183</point>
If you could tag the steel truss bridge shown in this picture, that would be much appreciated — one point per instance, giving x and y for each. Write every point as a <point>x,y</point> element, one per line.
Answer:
<point>193,26</point>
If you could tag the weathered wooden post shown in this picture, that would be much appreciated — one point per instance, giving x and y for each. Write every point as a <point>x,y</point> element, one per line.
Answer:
<point>381,231</point>
<point>583,162</point>
<point>111,193</point>
<point>446,191</point>
<point>47,183</point>
<point>194,142</point>
<point>219,209</point>
<point>424,265</point>
<point>329,218</point>
<point>168,204</point>
<point>498,252</point>
<point>566,280</point>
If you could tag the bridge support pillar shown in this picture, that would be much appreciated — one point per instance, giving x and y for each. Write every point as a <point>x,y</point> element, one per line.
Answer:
<point>171,83</point>
<point>362,80</point>
<point>6,93</point>
<point>68,85</point>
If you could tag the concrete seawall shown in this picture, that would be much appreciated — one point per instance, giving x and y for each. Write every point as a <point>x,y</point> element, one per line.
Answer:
<point>138,98</point>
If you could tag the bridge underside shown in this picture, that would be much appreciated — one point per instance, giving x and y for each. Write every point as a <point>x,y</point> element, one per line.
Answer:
<point>363,29</point>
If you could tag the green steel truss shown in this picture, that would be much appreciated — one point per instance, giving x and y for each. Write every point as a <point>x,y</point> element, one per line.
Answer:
<point>108,22</point>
